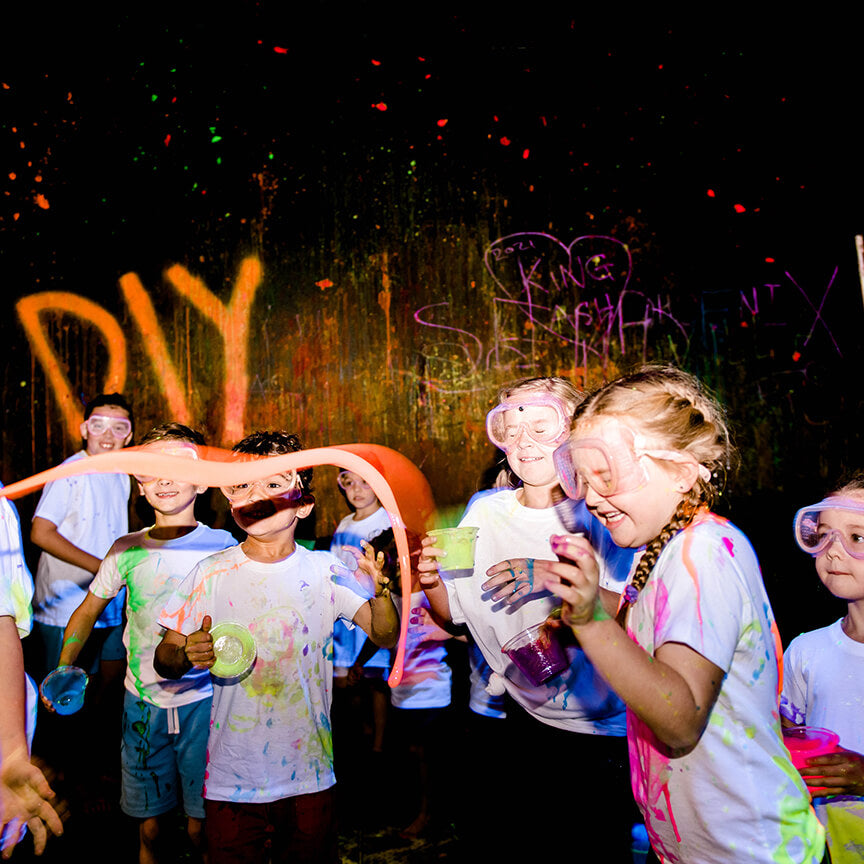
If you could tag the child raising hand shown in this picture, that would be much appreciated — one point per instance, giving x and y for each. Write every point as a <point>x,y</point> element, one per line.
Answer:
<point>699,672</point>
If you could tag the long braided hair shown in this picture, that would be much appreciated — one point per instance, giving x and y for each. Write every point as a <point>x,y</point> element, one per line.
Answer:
<point>673,410</point>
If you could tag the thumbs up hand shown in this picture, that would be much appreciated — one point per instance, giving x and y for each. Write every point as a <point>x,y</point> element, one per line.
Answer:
<point>199,646</point>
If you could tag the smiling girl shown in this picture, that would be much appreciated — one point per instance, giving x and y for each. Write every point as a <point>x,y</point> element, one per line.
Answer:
<point>699,672</point>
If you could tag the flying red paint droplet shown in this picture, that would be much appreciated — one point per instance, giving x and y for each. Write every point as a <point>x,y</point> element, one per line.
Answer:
<point>769,260</point>
<point>442,121</point>
<point>505,141</point>
<point>324,283</point>
<point>740,208</point>
<point>42,201</point>
<point>525,153</point>
<point>376,62</point>
<point>796,356</point>
<point>711,193</point>
<point>279,50</point>
<point>381,106</point>
<point>167,139</point>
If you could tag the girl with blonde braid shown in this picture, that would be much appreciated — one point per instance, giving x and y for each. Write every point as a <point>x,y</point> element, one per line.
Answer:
<point>699,673</point>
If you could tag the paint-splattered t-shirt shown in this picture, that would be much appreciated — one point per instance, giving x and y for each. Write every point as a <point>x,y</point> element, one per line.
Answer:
<point>151,570</point>
<point>270,734</point>
<point>735,796</point>
<point>578,699</point>
<point>90,511</point>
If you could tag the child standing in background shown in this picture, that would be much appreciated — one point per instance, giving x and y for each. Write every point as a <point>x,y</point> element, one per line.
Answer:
<point>358,662</point>
<point>165,722</point>
<point>75,523</point>
<point>700,670</point>
<point>823,682</point>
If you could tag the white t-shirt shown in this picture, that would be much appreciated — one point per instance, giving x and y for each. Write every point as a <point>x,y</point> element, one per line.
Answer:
<point>151,570</point>
<point>348,641</point>
<point>270,734</point>
<point>426,676</point>
<point>735,796</point>
<point>823,685</point>
<point>578,699</point>
<point>90,511</point>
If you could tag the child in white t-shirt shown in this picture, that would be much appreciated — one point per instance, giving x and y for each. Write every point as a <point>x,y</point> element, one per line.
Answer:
<point>165,722</point>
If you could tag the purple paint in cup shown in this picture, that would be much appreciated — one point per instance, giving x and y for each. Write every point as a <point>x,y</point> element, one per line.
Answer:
<point>537,653</point>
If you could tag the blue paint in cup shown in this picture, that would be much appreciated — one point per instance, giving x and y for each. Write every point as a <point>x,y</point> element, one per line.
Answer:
<point>64,689</point>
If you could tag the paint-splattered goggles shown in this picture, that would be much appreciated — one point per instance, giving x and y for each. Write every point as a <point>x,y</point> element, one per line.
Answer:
<point>611,465</point>
<point>348,480</point>
<point>288,486</point>
<point>186,451</point>
<point>544,420</point>
<point>818,526</point>
<point>99,424</point>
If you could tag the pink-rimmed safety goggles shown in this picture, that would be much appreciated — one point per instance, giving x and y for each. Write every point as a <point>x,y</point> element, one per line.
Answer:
<point>816,532</point>
<point>611,465</point>
<point>542,419</point>
<point>287,485</point>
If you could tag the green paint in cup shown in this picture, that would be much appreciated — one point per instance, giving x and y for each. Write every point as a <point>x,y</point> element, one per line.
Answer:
<point>458,543</point>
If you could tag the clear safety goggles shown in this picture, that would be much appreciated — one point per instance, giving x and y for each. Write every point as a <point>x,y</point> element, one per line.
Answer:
<point>98,424</point>
<point>349,480</point>
<point>287,486</point>
<point>544,420</point>
<point>186,451</point>
<point>611,465</point>
<point>818,526</point>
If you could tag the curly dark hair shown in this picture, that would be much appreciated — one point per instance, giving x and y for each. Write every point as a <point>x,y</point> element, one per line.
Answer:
<point>275,443</point>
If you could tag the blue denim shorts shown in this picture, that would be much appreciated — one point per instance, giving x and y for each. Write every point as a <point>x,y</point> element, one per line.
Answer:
<point>163,754</point>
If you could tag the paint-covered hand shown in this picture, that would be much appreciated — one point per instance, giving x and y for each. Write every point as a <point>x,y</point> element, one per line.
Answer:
<point>512,579</point>
<point>427,566</point>
<point>26,797</point>
<point>841,773</point>
<point>199,646</point>
<point>577,583</point>
<point>372,566</point>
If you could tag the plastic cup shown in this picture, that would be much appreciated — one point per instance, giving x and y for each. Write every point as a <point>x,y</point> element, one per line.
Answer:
<point>64,689</point>
<point>537,653</point>
<point>805,742</point>
<point>234,647</point>
<point>458,543</point>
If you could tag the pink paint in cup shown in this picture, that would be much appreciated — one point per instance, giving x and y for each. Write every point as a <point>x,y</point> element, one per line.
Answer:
<point>537,653</point>
<point>805,742</point>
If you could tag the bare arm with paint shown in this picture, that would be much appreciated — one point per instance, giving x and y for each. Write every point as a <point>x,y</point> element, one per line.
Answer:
<point>24,791</point>
<point>673,692</point>
<point>45,535</point>
<point>80,627</point>
<point>430,579</point>
<point>176,654</point>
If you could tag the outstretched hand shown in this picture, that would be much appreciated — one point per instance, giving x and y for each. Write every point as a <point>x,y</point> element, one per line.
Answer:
<point>26,797</point>
<point>514,579</point>
<point>841,773</point>
<point>199,646</point>
<point>372,566</point>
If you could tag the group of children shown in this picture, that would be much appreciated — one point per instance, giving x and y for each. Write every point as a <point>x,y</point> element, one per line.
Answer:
<point>600,527</point>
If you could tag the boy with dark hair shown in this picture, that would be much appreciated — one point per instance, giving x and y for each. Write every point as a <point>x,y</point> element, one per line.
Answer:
<point>75,523</point>
<point>165,723</point>
<point>268,793</point>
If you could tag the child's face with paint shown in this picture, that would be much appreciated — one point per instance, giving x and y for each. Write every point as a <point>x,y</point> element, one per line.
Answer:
<point>841,573</point>
<point>636,516</point>
<point>268,507</point>
<point>170,497</point>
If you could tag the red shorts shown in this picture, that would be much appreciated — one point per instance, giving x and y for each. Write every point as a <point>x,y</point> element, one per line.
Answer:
<point>300,828</point>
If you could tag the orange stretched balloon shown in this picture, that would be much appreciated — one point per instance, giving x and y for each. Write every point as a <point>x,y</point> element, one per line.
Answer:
<point>399,484</point>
